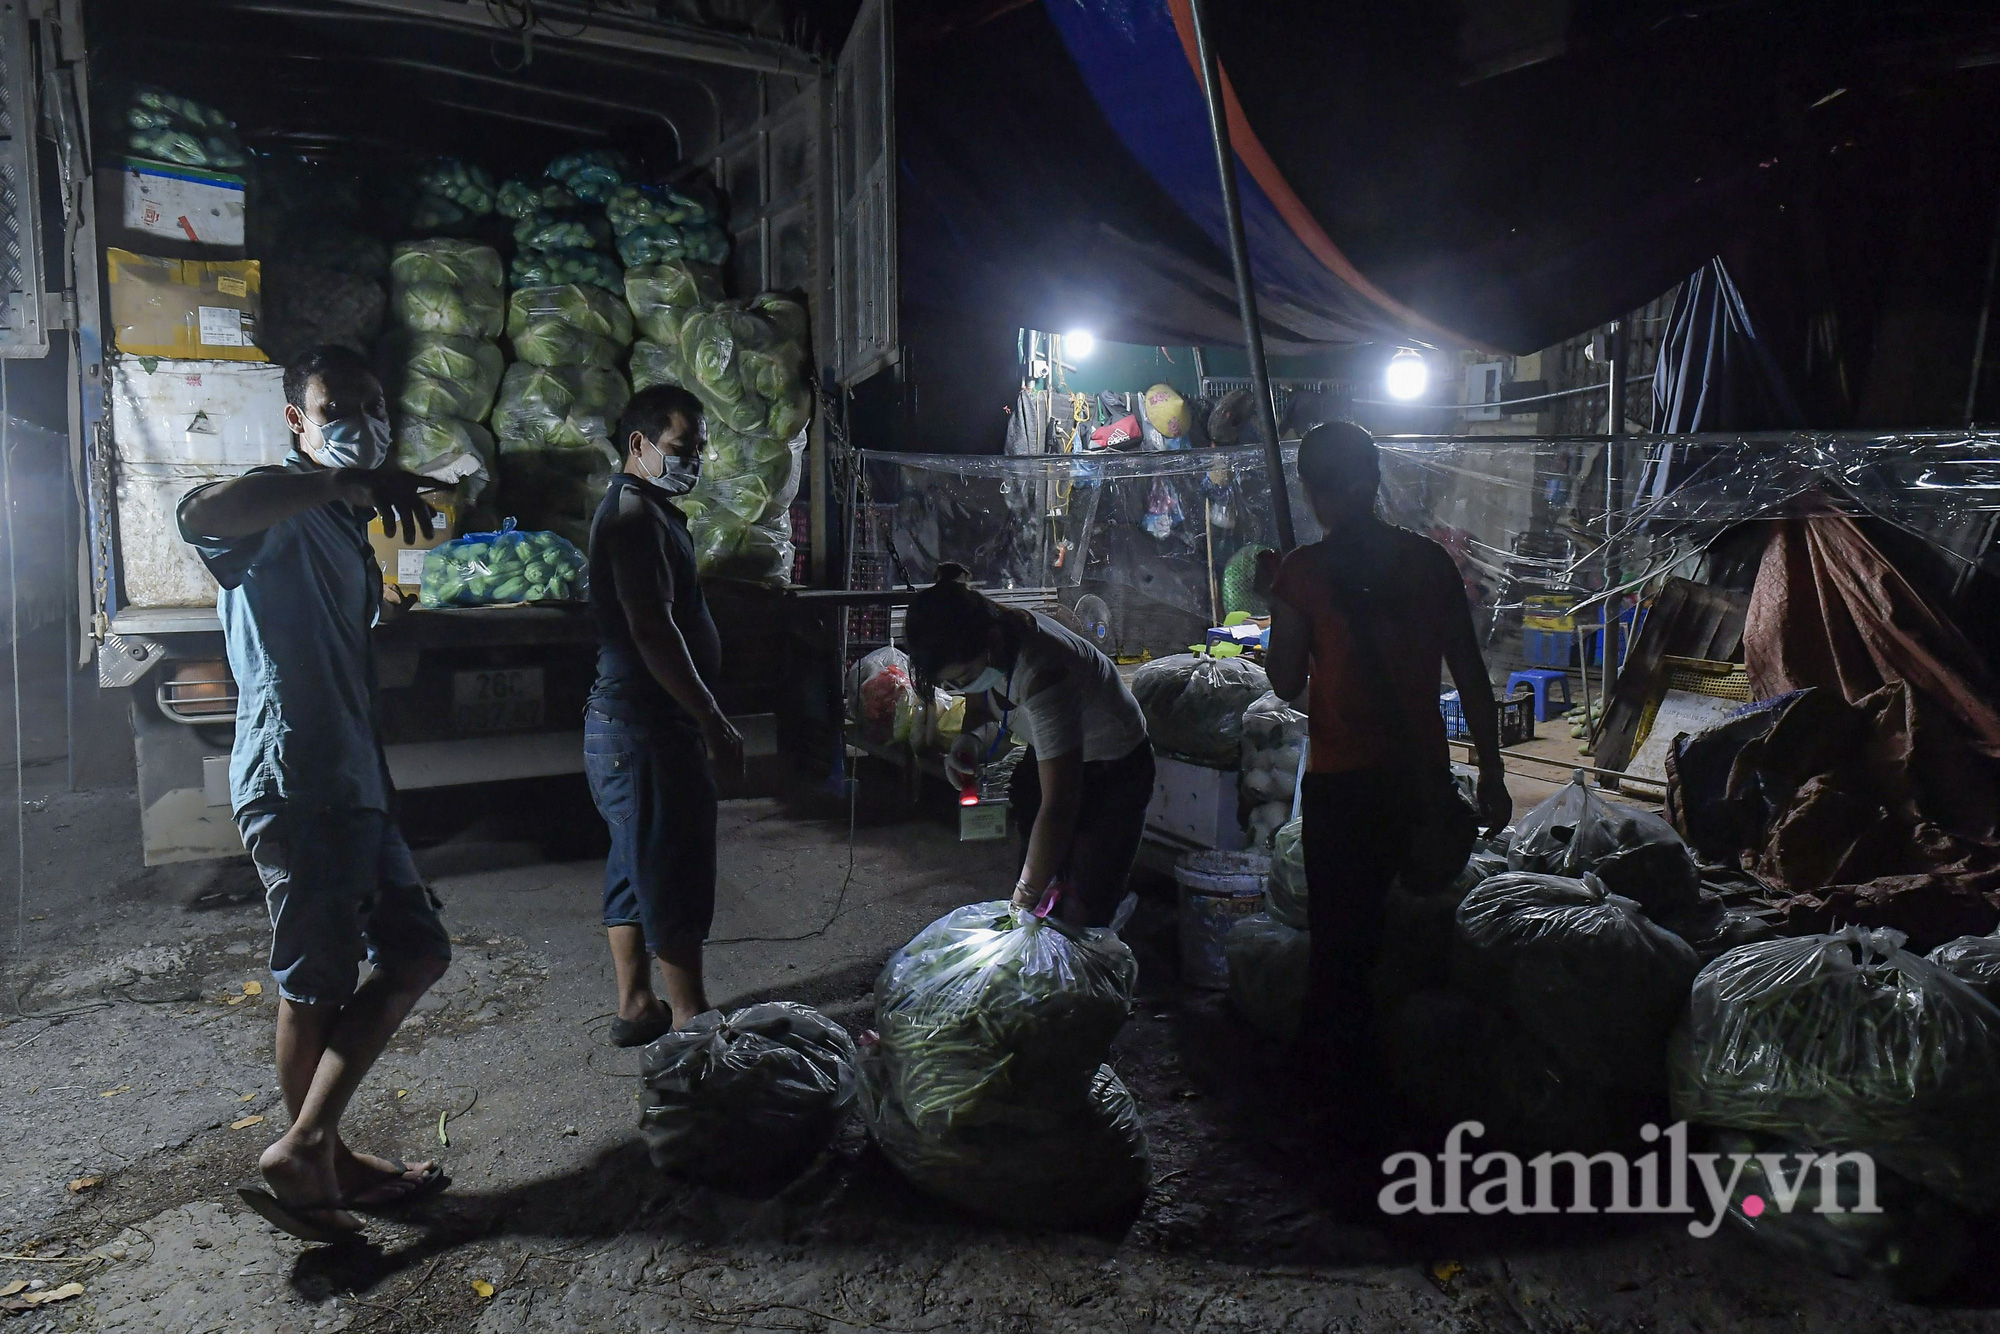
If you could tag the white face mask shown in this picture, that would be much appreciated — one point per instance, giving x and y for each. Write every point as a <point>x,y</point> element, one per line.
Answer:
<point>676,476</point>
<point>360,441</point>
<point>990,679</point>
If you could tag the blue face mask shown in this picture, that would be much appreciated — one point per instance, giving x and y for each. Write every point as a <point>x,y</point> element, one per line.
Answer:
<point>677,475</point>
<point>354,442</point>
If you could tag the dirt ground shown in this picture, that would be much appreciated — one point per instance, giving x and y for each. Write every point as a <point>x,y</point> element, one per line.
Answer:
<point>133,1111</point>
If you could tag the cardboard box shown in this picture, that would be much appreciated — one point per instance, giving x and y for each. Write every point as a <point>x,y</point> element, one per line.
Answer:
<point>200,309</point>
<point>205,413</point>
<point>403,562</point>
<point>181,203</point>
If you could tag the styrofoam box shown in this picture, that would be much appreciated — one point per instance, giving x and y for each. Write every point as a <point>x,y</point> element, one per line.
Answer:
<point>156,568</point>
<point>183,203</point>
<point>1193,804</point>
<point>201,413</point>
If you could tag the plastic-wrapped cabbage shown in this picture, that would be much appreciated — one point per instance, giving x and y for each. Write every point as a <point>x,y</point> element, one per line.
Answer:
<point>656,363</point>
<point>546,342</point>
<point>480,569</point>
<point>550,268</point>
<point>1634,852</point>
<point>435,308</point>
<point>1578,968</point>
<point>574,229</point>
<point>659,243</point>
<point>445,449</point>
<point>1913,1242</point>
<point>426,396</point>
<point>739,511</point>
<point>1973,960</point>
<point>1849,1041</point>
<point>166,127</point>
<point>727,454</point>
<point>555,488</point>
<point>747,372</point>
<point>662,296</point>
<point>748,553</point>
<point>1285,891</point>
<point>591,175</point>
<point>747,1100</point>
<point>473,365</point>
<point>988,1082</point>
<point>589,309</point>
<point>447,262</point>
<point>459,182</point>
<point>1267,975</point>
<point>1194,705</point>
<point>518,197</point>
<point>559,405</point>
<point>630,207</point>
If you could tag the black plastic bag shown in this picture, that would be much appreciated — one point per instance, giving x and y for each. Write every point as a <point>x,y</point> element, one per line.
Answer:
<point>1634,852</point>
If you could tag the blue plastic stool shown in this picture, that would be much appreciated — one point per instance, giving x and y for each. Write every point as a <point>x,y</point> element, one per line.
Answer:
<point>1539,681</point>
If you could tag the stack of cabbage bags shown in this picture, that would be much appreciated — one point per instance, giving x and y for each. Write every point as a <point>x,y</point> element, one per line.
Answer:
<point>661,297</point>
<point>1274,738</point>
<point>561,235</point>
<point>988,1085</point>
<point>452,195</point>
<point>163,127</point>
<point>481,569</point>
<point>443,363</point>
<point>656,224</point>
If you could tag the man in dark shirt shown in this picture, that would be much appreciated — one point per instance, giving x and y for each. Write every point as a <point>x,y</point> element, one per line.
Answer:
<point>308,783</point>
<point>653,726</point>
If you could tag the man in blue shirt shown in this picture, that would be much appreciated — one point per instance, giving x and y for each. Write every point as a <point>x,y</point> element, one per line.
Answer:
<point>308,782</point>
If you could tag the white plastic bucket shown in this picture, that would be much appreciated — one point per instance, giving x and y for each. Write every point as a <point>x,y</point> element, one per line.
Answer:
<point>1218,890</point>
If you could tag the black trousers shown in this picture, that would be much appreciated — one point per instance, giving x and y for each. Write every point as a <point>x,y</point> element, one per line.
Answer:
<point>1358,829</point>
<point>1116,794</point>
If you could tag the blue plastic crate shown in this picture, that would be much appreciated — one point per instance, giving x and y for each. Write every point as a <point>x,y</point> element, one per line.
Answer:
<point>1517,718</point>
<point>1546,648</point>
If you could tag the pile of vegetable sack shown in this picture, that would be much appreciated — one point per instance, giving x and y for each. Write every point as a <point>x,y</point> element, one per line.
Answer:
<point>452,196</point>
<point>561,236</point>
<point>1274,739</point>
<point>747,1101</point>
<point>658,224</point>
<point>163,127</point>
<point>1194,705</point>
<point>661,297</point>
<point>987,1085</point>
<point>482,569</point>
<point>559,404</point>
<point>442,365</point>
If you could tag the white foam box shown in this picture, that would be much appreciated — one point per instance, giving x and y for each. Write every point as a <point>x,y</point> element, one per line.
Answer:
<point>211,414</point>
<point>177,203</point>
<point>1196,805</point>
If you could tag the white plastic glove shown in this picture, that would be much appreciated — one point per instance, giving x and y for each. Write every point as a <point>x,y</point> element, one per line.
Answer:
<point>961,763</point>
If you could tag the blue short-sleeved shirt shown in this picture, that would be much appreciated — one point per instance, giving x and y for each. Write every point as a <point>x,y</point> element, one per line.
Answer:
<point>298,601</point>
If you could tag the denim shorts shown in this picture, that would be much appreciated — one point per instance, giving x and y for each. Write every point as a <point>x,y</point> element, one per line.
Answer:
<point>652,785</point>
<point>341,887</point>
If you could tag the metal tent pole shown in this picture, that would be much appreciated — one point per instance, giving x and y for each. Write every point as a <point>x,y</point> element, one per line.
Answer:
<point>1239,258</point>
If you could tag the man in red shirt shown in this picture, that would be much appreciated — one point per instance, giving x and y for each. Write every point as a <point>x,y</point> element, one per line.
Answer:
<point>1369,615</point>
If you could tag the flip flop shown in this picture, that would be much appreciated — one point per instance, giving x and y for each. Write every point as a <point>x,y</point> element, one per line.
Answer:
<point>430,1183</point>
<point>290,1218</point>
<point>637,1033</point>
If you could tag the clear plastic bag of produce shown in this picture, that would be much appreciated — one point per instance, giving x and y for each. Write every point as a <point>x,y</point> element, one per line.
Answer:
<point>630,207</point>
<point>567,229</point>
<point>1713,928</point>
<point>1634,852</point>
<point>1285,891</point>
<point>555,488</point>
<point>547,342</point>
<point>448,262</point>
<point>423,395</point>
<point>747,1100</point>
<point>445,449</point>
<point>592,175</point>
<point>1267,975</point>
<point>551,268</point>
<point>590,310</point>
<point>437,308</point>
<point>1851,1042</point>
<point>1580,969</point>
<point>518,197</point>
<point>748,553</point>
<point>658,243</point>
<point>166,127</point>
<point>470,368</point>
<point>464,184</point>
<point>1274,736</point>
<point>1912,1241</point>
<point>1973,960</point>
<point>747,368</point>
<point>662,296</point>
<point>656,363</point>
<point>878,687</point>
<point>1194,705</point>
<point>559,405</point>
<point>743,476</point>
<point>481,569</point>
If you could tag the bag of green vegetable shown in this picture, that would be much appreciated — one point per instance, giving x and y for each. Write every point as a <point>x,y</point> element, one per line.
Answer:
<point>165,127</point>
<point>517,197</point>
<point>662,296</point>
<point>1634,852</point>
<point>1285,891</point>
<point>592,174</point>
<point>480,569</point>
<point>747,553</point>
<point>550,268</point>
<point>631,207</point>
<point>571,229</point>
<point>1849,1041</point>
<point>1578,968</point>
<point>446,449</point>
<point>435,308</point>
<point>459,183</point>
<point>1909,1240</point>
<point>656,363</point>
<point>747,372</point>
<point>748,1100</point>
<point>1267,975</point>
<point>591,310</point>
<point>448,262</point>
<point>472,366</point>
<point>559,405</point>
<point>659,243</point>
<point>993,1026</point>
<point>1194,705</point>
<point>1973,960</point>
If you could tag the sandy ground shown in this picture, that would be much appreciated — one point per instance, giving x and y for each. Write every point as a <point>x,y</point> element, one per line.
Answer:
<point>147,1080</point>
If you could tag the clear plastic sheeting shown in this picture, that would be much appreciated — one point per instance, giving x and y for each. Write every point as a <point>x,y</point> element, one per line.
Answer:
<point>1568,519</point>
<point>1849,1041</point>
<point>1973,960</point>
<point>748,1099</point>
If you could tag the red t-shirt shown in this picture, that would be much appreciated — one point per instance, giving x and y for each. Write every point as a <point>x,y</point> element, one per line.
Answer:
<point>1411,590</point>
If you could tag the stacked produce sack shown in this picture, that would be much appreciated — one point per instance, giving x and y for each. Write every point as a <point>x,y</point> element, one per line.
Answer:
<point>1274,739</point>
<point>988,1085</point>
<point>561,236</point>
<point>442,361</point>
<point>1850,1043</point>
<point>1195,703</point>
<point>656,224</point>
<point>452,195</point>
<point>163,127</point>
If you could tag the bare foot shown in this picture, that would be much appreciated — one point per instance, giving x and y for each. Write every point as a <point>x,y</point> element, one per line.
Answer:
<point>305,1180</point>
<point>368,1181</point>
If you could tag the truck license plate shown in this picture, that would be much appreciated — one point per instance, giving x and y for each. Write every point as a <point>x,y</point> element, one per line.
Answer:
<point>504,700</point>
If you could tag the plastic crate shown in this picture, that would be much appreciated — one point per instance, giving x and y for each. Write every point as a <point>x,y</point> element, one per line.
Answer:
<point>1517,718</point>
<point>1546,648</point>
